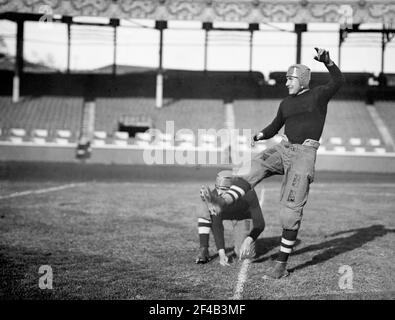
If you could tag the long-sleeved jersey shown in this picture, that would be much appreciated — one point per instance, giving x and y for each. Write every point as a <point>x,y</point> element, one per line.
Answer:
<point>304,115</point>
<point>247,208</point>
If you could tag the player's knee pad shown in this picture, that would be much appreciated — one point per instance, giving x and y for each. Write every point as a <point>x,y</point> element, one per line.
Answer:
<point>291,217</point>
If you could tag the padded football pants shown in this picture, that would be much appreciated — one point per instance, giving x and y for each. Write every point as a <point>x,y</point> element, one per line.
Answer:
<point>296,162</point>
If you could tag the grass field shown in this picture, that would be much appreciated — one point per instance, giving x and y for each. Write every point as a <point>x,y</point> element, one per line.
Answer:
<point>136,238</point>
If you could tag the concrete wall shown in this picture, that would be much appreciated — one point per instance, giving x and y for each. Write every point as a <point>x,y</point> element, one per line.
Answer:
<point>133,155</point>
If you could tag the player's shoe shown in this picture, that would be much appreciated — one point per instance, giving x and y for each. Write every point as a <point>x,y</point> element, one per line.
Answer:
<point>203,256</point>
<point>215,203</point>
<point>277,271</point>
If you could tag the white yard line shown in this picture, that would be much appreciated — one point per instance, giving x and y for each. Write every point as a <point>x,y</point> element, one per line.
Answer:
<point>242,277</point>
<point>40,191</point>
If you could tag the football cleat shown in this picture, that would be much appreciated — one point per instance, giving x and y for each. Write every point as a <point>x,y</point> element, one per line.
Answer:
<point>277,271</point>
<point>203,256</point>
<point>215,203</point>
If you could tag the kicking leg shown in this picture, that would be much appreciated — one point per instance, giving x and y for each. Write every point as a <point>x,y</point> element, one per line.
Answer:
<point>265,164</point>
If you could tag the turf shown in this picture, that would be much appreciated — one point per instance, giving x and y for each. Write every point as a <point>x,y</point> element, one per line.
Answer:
<point>138,240</point>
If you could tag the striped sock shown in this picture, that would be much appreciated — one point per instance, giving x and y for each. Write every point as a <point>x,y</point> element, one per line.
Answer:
<point>287,243</point>
<point>236,191</point>
<point>233,194</point>
<point>204,227</point>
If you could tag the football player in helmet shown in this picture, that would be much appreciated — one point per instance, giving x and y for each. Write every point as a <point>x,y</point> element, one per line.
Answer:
<point>240,213</point>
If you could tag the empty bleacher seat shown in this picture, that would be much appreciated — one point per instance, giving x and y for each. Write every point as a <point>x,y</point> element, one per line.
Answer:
<point>374,142</point>
<point>63,137</point>
<point>39,136</point>
<point>355,141</point>
<point>336,140</point>
<point>340,149</point>
<point>120,138</point>
<point>99,138</point>
<point>163,139</point>
<point>359,150</point>
<point>380,150</point>
<point>121,135</point>
<point>143,138</point>
<point>100,135</point>
<point>65,134</point>
<point>42,133</point>
<point>17,132</point>
<point>16,135</point>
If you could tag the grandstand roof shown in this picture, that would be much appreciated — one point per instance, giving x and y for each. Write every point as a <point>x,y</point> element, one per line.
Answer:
<point>8,63</point>
<point>295,11</point>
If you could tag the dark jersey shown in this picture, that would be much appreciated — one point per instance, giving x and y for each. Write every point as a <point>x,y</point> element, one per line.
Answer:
<point>304,115</point>
<point>246,208</point>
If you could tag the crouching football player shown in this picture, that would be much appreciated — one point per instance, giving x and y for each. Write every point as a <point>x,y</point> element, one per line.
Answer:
<point>241,214</point>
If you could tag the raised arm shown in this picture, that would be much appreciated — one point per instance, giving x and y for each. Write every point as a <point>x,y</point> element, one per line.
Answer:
<point>218,232</point>
<point>258,224</point>
<point>328,90</point>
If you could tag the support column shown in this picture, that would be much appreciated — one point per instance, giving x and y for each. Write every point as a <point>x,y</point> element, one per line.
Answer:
<point>114,23</point>
<point>68,46</point>
<point>18,66</point>
<point>342,37</point>
<point>383,43</point>
<point>207,26</point>
<point>160,25</point>
<point>252,27</point>
<point>299,29</point>
<point>251,38</point>
<point>68,21</point>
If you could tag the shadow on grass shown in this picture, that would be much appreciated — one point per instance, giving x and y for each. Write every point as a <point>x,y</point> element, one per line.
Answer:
<point>337,246</point>
<point>265,245</point>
